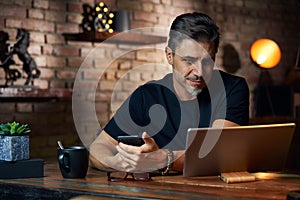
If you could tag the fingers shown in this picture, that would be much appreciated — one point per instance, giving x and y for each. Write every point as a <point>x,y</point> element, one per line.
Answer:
<point>129,148</point>
<point>147,138</point>
<point>127,157</point>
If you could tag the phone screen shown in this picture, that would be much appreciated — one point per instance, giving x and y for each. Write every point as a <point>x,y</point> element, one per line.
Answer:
<point>133,140</point>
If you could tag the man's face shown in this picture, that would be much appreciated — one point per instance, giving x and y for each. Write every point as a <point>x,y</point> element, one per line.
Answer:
<point>193,64</point>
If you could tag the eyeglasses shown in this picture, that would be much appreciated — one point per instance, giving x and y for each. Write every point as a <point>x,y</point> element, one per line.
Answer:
<point>122,176</point>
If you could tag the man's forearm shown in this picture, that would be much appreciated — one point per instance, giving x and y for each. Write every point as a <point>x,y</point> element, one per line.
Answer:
<point>178,161</point>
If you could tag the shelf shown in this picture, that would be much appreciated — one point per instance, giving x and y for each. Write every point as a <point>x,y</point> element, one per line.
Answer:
<point>27,94</point>
<point>123,38</point>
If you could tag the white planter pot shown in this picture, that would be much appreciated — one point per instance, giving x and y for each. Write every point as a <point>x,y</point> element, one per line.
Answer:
<point>13,148</point>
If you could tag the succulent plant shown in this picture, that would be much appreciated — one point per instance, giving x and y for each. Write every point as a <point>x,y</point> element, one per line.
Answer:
<point>14,129</point>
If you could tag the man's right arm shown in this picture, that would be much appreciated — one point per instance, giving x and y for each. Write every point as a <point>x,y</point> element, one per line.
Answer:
<point>102,151</point>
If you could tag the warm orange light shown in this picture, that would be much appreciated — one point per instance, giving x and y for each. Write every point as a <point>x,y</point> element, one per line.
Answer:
<point>265,52</point>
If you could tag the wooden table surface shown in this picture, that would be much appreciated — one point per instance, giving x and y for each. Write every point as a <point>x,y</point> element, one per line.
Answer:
<point>96,186</point>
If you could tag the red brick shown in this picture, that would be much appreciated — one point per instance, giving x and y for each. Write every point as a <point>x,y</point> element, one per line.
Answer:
<point>36,14</point>
<point>54,39</point>
<point>46,73</point>
<point>55,16</point>
<point>101,107</point>
<point>91,74</point>
<point>13,11</point>
<point>110,75</point>
<point>86,51</point>
<point>125,65</point>
<point>153,56</point>
<point>74,7</point>
<point>107,85</point>
<point>144,16</point>
<point>34,49</point>
<point>167,2</point>
<point>37,37</point>
<point>75,61</point>
<point>13,23</point>
<point>40,60</point>
<point>41,4</point>
<point>152,1</point>
<point>147,7</point>
<point>57,5</point>
<point>183,4</point>
<point>134,76</point>
<point>57,83</point>
<point>74,19</point>
<point>47,49</point>
<point>24,3</point>
<point>128,5</point>
<point>67,28</point>
<point>52,61</point>
<point>66,74</point>
<point>140,24</point>
<point>24,107</point>
<point>38,25</point>
<point>65,51</point>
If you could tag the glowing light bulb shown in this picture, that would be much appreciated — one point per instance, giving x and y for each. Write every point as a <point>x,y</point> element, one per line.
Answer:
<point>261,59</point>
<point>265,52</point>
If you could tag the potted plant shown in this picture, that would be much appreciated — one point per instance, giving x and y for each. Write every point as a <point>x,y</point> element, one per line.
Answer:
<point>14,141</point>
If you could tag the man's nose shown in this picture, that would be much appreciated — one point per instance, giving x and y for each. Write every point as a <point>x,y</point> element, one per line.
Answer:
<point>197,68</point>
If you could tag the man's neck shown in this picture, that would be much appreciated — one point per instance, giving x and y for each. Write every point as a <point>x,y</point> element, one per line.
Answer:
<point>182,93</point>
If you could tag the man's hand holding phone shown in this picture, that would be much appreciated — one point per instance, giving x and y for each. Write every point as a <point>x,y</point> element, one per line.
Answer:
<point>141,155</point>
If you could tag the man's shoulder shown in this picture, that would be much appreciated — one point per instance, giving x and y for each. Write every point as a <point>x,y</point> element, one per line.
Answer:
<point>230,78</point>
<point>165,82</point>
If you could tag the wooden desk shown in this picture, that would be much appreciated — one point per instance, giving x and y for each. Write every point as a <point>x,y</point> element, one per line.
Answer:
<point>95,186</point>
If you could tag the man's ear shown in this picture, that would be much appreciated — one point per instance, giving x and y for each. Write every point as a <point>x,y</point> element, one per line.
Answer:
<point>169,55</point>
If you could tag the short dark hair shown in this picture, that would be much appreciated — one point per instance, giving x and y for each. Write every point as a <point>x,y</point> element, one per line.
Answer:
<point>197,26</point>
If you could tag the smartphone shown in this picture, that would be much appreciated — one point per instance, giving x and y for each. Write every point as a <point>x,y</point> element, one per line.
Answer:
<point>133,140</point>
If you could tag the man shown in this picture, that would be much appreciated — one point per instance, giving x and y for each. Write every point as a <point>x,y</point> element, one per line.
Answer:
<point>194,95</point>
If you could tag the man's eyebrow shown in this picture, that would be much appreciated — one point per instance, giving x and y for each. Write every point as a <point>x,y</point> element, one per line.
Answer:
<point>189,58</point>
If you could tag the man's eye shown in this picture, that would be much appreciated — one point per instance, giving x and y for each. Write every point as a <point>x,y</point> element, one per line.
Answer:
<point>190,61</point>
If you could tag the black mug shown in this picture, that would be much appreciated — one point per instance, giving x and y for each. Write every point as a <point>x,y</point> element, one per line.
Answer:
<point>73,161</point>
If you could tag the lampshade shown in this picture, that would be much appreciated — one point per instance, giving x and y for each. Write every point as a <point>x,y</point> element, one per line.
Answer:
<point>265,53</point>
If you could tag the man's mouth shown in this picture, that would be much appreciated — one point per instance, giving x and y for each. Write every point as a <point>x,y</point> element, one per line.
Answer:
<point>195,79</point>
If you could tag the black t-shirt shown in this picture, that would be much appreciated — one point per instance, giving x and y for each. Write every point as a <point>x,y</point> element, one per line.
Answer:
<point>155,108</point>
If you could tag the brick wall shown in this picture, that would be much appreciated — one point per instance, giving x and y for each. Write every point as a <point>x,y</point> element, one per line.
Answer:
<point>241,22</point>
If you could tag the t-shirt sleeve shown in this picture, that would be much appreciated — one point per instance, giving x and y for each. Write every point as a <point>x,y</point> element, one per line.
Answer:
<point>238,102</point>
<point>128,120</point>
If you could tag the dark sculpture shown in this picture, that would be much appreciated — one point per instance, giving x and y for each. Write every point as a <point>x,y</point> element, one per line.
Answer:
<point>19,48</point>
<point>11,75</point>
